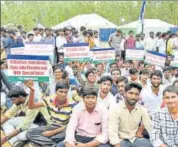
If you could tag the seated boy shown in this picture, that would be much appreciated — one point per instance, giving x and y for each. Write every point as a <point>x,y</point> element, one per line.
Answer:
<point>88,126</point>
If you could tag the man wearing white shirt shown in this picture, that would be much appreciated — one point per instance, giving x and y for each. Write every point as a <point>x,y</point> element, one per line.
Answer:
<point>60,40</point>
<point>161,44</point>
<point>125,69</point>
<point>96,39</point>
<point>37,36</point>
<point>104,96</point>
<point>150,42</point>
<point>151,96</point>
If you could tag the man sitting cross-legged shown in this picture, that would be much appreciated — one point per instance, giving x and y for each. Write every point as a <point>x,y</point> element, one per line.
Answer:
<point>88,126</point>
<point>18,118</point>
<point>59,109</point>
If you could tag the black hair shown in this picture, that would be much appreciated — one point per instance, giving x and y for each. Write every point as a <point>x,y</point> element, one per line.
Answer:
<point>157,73</point>
<point>144,72</point>
<point>90,33</point>
<point>55,67</point>
<point>30,35</point>
<point>112,64</point>
<point>11,32</point>
<point>117,69</point>
<point>84,33</point>
<point>64,74</point>
<point>95,32</point>
<point>23,32</point>
<point>3,29</point>
<point>122,79</point>
<point>152,32</point>
<point>158,34</point>
<point>74,32</point>
<point>133,71</point>
<point>88,90</point>
<point>60,30</point>
<point>105,78</point>
<point>19,26</point>
<point>17,91</point>
<point>171,35</point>
<point>138,35</point>
<point>82,28</point>
<point>65,29</point>
<point>47,29</point>
<point>163,35</point>
<point>133,85</point>
<point>131,31</point>
<point>176,81</point>
<point>119,31</point>
<point>130,61</point>
<point>41,29</point>
<point>89,71</point>
<point>99,64</point>
<point>62,84</point>
<point>35,28</point>
<point>170,89</point>
<point>141,62</point>
<point>166,69</point>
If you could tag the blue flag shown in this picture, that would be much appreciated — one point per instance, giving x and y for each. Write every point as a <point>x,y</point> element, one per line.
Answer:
<point>141,18</point>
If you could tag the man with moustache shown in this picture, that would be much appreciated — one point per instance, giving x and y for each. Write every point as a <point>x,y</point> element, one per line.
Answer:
<point>121,82</point>
<point>151,96</point>
<point>104,95</point>
<point>125,117</point>
<point>165,121</point>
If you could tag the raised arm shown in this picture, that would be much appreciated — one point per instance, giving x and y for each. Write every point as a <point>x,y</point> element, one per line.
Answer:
<point>31,103</point>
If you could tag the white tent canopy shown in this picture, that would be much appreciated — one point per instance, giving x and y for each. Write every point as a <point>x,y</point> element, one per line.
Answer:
<point>39,25</point>
<point>92,21</point>
<point>154,25</point>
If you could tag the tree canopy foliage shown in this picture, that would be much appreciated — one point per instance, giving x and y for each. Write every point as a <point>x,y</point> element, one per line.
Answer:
<point>50,13</point>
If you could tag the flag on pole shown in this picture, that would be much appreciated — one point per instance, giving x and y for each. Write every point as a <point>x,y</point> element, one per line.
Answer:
<point>141,18</point>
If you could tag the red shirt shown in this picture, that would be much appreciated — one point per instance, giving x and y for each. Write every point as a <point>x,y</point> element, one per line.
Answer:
<point>130,43</point>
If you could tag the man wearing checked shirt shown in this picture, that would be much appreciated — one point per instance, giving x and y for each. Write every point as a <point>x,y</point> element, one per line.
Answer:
<point>165,121</point>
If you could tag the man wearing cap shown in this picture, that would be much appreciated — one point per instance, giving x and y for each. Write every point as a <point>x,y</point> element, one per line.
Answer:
<point>18,118</point>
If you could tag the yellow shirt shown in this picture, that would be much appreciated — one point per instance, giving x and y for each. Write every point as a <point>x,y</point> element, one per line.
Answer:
<point>91,42</point>
<point>124,124</point>
<point>170,46</point>
<point>30,114</point>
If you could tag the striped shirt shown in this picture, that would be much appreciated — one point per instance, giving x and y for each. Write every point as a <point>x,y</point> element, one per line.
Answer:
<point>60,115</point>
